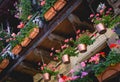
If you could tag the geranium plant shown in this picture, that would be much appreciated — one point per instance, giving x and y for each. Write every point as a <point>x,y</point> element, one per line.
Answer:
<point>107,18</point>
<point>45,69</point>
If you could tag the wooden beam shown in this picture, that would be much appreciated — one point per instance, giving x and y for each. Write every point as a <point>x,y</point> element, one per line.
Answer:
<point>55,37</point>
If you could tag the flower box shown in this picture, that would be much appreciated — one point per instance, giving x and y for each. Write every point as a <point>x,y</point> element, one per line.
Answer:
<point>16,50</point>
<point>59,4</point>
<point>33,33</point>
<point>50,14</point>
<point>4,64</point>
<point>25,42</point>
<point>111,70</point>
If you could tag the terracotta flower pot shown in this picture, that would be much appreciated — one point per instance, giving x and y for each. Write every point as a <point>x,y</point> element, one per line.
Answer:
<point>82,48</point>
<point>59,4</point>
<point>46,76</point>
<point>65,59</point>
<point>111,70</point>
<point>34,32</point>
<point>25,42</point>
<point>4,64</point>
<point>16,50</point>
<point>50,14</point>
<point>101,28</point>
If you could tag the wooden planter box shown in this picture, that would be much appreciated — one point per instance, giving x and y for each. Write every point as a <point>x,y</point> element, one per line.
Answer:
<point>25,42</point>
<point>59,4</point>
<point>4,64</point>
<point>109,72</point>
<point>34,32</point>
<point>16,50</point>
<point>50,14</point>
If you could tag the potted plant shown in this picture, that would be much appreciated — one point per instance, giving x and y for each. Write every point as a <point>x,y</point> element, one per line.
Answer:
<point>82,42</point>
<point>27,33</point>
<point>47,73</point>
<point>105,20</point>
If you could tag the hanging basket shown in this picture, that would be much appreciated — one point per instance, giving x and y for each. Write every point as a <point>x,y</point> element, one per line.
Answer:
<point>46,76</point>
<point>82,48</point>
<point>111,70</point>
<point>59,4</point>
<point>101,28</point>
<point>66,59</point>
<point>25,42</point>
<point>4,64</point>
<point>34,32</point>
<point>16,50</point>
<point>50,14</point>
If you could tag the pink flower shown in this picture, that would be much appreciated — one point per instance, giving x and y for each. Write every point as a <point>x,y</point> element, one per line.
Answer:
<point>13,34</point>
<point>57,51</point>
<point>91,15</point>
<point>97,15</point>
<point>101,11</point>
<point>107,12</point>
<point>51,54</point>
<point>55,58</point>
<point>95,58</point>
<point>72,71</point>
<point>109,9</point>
<point>64,46</point>
<point>71,39</point>
<point>78,31</point>
<point>77,37</point>
<point>39,63</point>
<point>21,25</point>
<point>42,67</point>
<point>43,3</point>
<point>66,40</point>
<point>83,64</point>
<point>1,39</point>
<point>52,48</point>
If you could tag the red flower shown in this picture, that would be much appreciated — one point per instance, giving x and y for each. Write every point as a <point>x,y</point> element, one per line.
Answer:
<point>113,45</point>
<point>64,77</point>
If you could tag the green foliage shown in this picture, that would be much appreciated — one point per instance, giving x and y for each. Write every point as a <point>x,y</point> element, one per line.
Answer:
<point>52,73</point>
<point>112,59</point>
<point>4,57</point>
<point>26,9</point>
<point>3,36</point>
<point>71,51</point>
<point>84,79</point>
<point>24,32</point>
<point>99,68</point>
<point>108,20</point>
<point>85,39</point>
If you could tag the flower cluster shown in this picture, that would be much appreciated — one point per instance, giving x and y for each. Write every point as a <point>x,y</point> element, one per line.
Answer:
<point>107,18</point>
<point>52,71</point>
